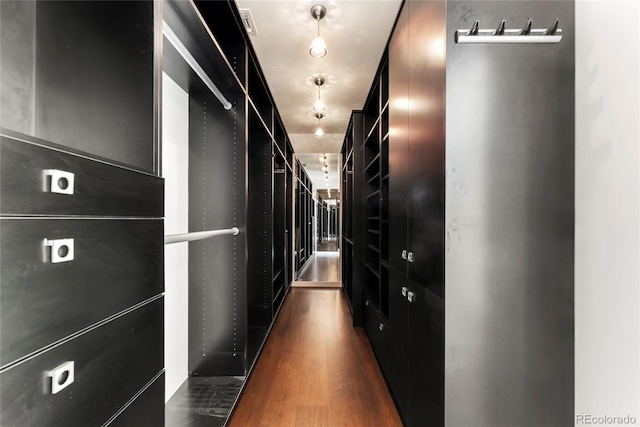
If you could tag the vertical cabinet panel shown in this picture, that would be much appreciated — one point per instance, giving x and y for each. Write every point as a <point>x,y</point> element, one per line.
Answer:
<point>398,140</point>
<point>426,144</point>
<point>425,395</point>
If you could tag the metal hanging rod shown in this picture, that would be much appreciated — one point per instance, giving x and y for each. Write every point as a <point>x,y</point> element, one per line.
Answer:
<point>184,52</point>
<point>501,35</point>
<point>199,235</point>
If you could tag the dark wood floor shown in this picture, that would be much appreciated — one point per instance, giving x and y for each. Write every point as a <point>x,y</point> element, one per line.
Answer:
<point>328,245</point>
<point>322,267</point>
<point>316,370</point>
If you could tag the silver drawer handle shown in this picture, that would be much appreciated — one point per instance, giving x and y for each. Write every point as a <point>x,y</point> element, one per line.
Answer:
<point>404,254</point>
<point>57,181</point>
<point>411,296</point>
<point>381,327</point>
<point>410,257</point>
<point>62,250</point>
<point>404,291</point>
<point>61,376</point>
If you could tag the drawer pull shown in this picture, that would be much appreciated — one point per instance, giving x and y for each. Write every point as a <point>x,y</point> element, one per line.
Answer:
<point>410,257</point>
<point>404,291</point>
<point>381,327</point>
<point>62,250</point>
<point>61,376</point>
<point>404,254</point>
<point>411,296</point>
<point>59,182</point>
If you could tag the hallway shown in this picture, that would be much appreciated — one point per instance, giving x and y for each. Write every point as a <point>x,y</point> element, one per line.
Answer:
<point>316,369</point>
<point>323,267</point>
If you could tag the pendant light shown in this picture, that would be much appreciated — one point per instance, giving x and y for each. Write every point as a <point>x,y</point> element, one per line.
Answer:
<point>319,105</point>
<point>319,131</point>
<point>318,47</point>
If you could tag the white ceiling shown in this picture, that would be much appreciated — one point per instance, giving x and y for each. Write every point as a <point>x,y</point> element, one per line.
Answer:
<point>355,31</point>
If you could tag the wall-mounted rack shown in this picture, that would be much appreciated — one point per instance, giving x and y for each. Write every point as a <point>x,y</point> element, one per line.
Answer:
<point>502,35</point>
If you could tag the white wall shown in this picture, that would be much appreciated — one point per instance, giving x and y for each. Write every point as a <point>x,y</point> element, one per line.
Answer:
<point>607,263</point>
<point>175,170</point>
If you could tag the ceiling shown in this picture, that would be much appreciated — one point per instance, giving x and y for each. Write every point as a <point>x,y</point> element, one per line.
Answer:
<point>356,33</point>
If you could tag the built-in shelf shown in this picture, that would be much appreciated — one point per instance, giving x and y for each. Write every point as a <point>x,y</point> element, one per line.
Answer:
<point>373,268</point>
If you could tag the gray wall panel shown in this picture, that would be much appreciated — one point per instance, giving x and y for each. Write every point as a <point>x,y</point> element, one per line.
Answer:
<point>509,221</point>
<point>17,65</point>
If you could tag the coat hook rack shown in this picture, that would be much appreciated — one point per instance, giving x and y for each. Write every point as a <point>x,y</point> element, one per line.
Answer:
<point>502,35</point>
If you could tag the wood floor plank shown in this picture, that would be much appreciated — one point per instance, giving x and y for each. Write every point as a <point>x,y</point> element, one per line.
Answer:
<point>316,370</point>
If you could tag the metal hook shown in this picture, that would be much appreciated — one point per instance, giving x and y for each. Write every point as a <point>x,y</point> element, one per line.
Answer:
<point>526,29</point>
<point>474,28</point>
<point>551,31</point>
<point>500,30</point>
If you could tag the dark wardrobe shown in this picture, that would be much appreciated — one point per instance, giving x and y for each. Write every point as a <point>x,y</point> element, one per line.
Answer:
<point>81,280</point>
<point>458,186</point>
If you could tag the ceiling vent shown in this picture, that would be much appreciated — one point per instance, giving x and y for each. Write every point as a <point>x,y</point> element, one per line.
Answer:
<point>247,21</point>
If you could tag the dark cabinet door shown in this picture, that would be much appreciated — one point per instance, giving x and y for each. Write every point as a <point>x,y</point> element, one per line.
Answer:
<point>398,140</point>
<point>426,162</point>
<point>397,372</point>
<point>425,404</point>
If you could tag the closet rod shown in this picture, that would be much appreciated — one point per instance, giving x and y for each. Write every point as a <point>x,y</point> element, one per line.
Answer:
<point>184,52</point>
<point>199,235</point>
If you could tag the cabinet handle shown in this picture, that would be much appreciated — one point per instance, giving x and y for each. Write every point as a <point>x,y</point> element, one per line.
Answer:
<point>411,296</point>
<point>404,291</point>
<point>62,250</point>
<point>366,303</point>
<point>61,376</point>
<point>57,181</point>
<point>410,257</point>
<point>381,327</point>
<point>404,254</point>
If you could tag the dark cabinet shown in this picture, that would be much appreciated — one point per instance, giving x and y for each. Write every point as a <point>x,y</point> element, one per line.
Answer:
<point>480,192</point>
<point>81,74</point>
<point>305,216</point>
<point>81,228</point>
<point>240,174</point>
<point>353,225</point>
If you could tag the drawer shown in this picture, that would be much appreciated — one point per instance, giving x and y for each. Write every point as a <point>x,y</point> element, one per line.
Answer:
<point>29,173</point>
<point>117,263</point>
<point>373,322</point>
<point>111,364</point>
<point>147,410</point>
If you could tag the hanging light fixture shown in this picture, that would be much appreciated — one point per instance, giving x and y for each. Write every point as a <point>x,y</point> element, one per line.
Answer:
<point>319,131</point>
<point>318,46</point>
<point>319,105</point>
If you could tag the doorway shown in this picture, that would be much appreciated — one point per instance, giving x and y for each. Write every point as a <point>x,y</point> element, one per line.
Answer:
<point>321,267</point>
